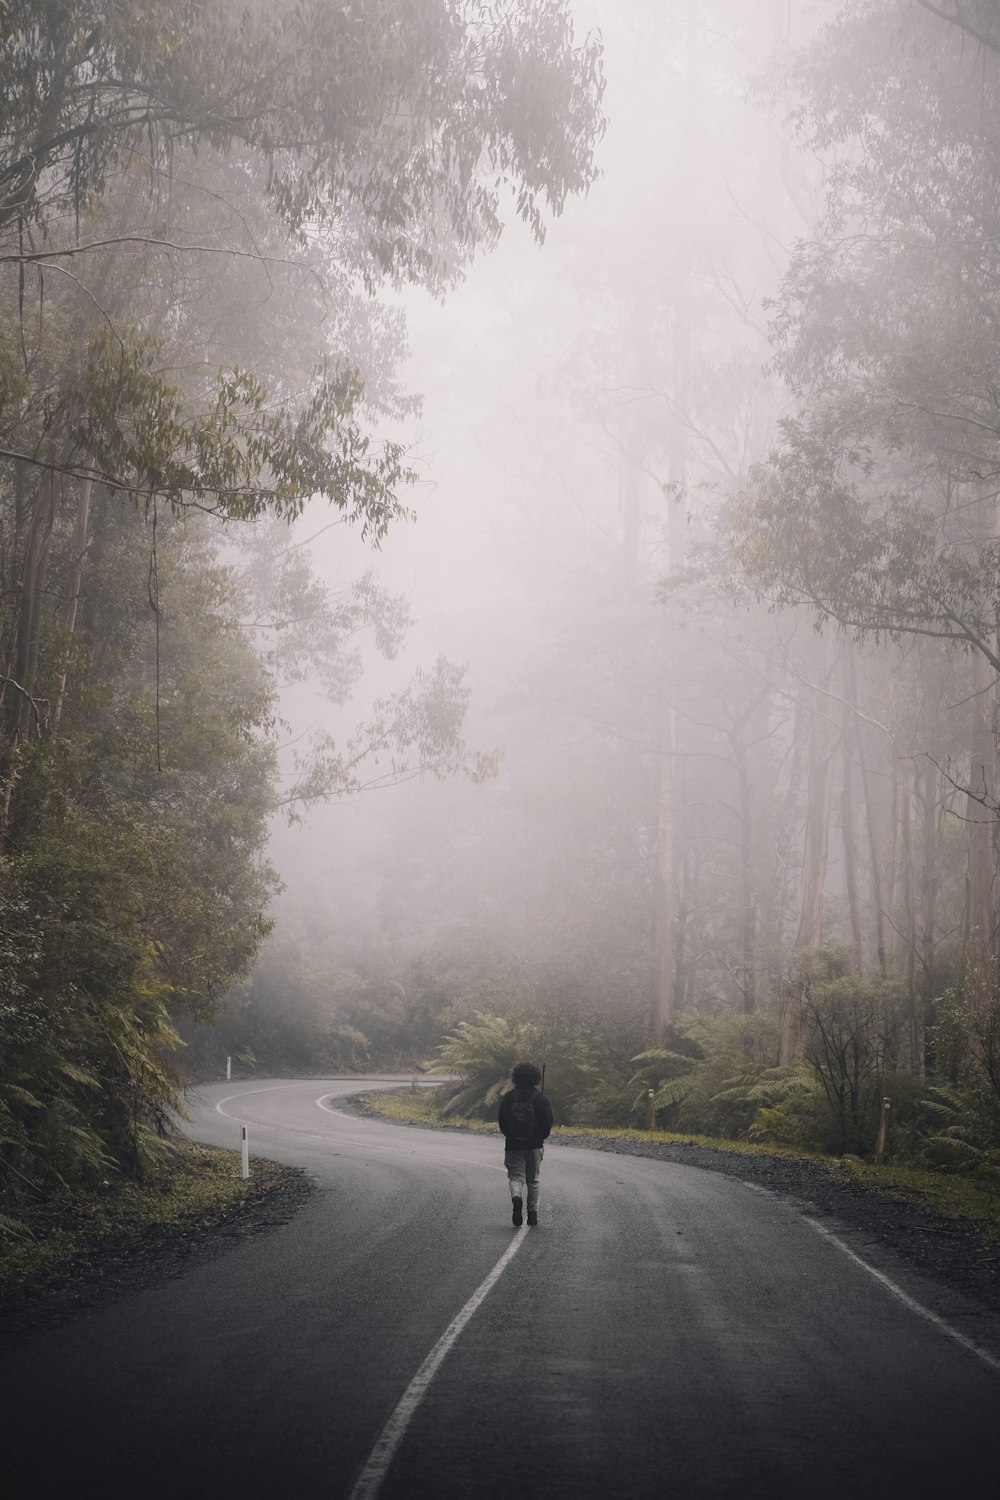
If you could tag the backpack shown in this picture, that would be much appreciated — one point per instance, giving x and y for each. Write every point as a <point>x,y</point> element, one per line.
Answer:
<point>524,1125</point>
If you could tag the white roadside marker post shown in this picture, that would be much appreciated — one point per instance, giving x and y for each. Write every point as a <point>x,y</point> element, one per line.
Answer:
<point>245,1145</point>
<point>229,1070</point>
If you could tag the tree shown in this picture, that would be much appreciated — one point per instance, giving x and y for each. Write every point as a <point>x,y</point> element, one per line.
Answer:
<point>354,162</point>
<point>133,870</point>
<point>879,507</point>
<point>197,205</point>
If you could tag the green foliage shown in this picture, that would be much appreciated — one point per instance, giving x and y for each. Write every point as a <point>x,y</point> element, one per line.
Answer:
<point>57,1237</point>
<point>387,135</point>
<point>718,1080</point>
<point>851,1021</point>
<point>668,1074</point>
<point>416,731</point>
<point>873,507</point>
<point>133,874</point>
<point>196,203</point>
<point>763,1105</point>
<point>483,1051</point>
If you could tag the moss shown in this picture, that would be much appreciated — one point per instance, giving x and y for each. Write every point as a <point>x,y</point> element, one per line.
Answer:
<point>420,1107</point>
<point>952,1197</point>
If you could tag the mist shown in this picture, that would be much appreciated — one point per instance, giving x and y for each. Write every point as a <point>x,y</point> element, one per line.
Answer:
<point>587,407</point>
<point>705,785</point>
<point>499,660</point>
<point>514,561</point>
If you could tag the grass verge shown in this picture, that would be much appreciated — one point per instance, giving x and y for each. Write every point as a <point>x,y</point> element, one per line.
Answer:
<point>202,1190</point>
<point>951,1197</point>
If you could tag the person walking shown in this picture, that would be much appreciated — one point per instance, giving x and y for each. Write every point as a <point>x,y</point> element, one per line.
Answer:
<point>526,1120</point>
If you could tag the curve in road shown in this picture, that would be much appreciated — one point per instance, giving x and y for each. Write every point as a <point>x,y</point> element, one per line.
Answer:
<point>663,1331</point>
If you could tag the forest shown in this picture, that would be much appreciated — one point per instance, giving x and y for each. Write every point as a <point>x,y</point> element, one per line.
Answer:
<point>687,783</point>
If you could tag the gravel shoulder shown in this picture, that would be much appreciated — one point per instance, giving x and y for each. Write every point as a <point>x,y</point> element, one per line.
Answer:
<point>136,1259</point>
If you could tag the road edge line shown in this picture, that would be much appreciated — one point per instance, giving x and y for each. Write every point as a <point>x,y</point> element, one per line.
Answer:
<point>372,1475</point>
<point>941,1324</point>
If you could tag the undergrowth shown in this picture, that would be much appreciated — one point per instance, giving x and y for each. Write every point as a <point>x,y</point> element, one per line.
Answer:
<point>203,1187</point>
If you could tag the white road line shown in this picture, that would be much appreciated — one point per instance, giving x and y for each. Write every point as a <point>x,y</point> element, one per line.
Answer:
<point>271,1089</point>
<point>915,1307</point>
<point>344,1140</point>
<point>290,1083</point>
<point>369,1481</point>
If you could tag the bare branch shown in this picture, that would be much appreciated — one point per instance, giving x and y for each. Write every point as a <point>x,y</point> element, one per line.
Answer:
<point>40,717</point>
<point>956,18</point>
<point>159,244</point>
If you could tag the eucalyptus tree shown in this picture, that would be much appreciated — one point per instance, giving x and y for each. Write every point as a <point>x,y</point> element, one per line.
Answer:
<point>878,508</point>
<point>198,204</point>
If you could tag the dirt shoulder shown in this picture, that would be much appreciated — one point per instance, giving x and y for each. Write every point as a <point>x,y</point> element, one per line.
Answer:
<point>86,1258</point>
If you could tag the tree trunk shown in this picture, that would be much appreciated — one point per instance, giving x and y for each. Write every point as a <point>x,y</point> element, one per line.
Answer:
<point>663,1006</point>
<point>928,875</point>
<point>849,838</point>
<point>816,841</point>
<point>909,916</point>
<point>980,804</point>
<point>667,910</point>
<point>748,896</point>
<point>34,561</point>
<point>72,609</point>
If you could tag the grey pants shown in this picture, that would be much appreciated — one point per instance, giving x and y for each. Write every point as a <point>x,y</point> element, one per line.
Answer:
<point>523,1171</point>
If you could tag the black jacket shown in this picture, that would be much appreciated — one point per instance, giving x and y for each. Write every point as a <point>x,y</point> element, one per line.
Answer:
<point>525,1136</point>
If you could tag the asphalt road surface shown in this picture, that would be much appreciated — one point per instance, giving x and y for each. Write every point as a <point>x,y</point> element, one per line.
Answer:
<point>664,1332</point>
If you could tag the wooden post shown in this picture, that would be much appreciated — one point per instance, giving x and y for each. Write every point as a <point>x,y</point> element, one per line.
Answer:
<point>883,1130</point>
<point>245,1151</point>
<point>652,1110</point>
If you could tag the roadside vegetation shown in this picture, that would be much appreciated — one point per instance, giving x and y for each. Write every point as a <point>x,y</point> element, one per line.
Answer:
<point>198,207</point>
<point>200,1189</point>
<point>718,1084</point>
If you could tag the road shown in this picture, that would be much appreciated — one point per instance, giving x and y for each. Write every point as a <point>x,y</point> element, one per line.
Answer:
<point>663,1332</point>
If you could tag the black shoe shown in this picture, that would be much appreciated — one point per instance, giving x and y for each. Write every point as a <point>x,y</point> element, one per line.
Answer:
<point>532,1216</point>
<point>516,1217</point>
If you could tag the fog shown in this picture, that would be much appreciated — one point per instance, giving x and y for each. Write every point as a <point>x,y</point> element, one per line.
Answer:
<point>535,486</point>
<point>692,749</point>
<point>499,516</point>
<point>500,563</point>
<point>586,405</point>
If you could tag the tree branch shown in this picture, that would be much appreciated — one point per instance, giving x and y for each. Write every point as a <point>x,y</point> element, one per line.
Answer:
<point>963,25</point>
<point>41,718</point>
<point>159,244</point>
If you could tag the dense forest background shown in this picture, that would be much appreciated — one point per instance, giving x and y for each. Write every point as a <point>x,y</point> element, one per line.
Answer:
<point>645,718</point>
